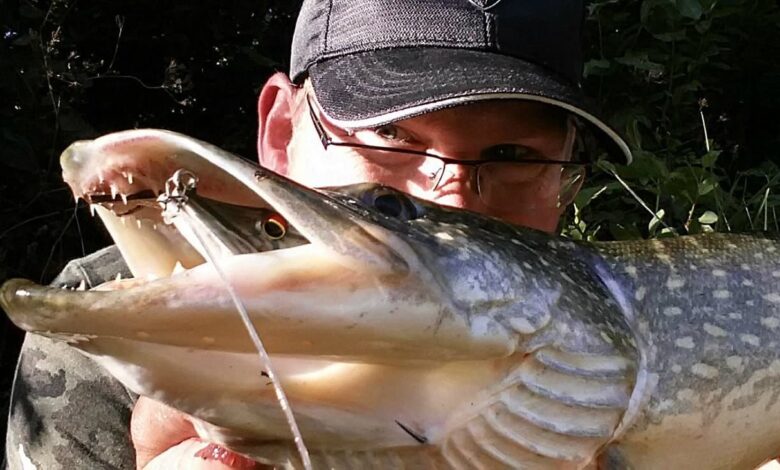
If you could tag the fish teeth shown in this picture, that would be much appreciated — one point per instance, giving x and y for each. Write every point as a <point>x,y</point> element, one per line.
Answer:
<point>101,178</point>
<point>178,268</point>
<point>124,197</point>
<point>118,277</point>
<point>138,223</point>
<point>82,285</point>
<point>123,220</point>
<point>128,176</point>
<point>92,210</point>
<point>114,191</point>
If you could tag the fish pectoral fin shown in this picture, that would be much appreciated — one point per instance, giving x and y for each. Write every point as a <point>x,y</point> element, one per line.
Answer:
<point>555,409</point>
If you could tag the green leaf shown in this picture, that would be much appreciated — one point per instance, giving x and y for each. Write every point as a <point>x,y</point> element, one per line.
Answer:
<point>708,159</point>
<point>607,166</point>
<point>682,184</point>
<point>656,220</point>
<point>586,195</point>
<point>596,67</point>
<point>667,232</point>
<point>634,135</point>
<point>646,165</point>
<point>707,185</point>
<point>708,217</point>
<point>640,62</point>
<point>690,9</point>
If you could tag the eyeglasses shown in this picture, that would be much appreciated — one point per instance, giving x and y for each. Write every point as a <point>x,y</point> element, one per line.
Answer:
<point>528,183</point>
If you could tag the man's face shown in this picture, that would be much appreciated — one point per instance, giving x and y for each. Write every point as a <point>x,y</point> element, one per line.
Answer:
<point>505,130</point>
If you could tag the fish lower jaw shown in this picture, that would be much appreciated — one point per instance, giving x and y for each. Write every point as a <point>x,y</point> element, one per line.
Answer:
<point>152,248</point>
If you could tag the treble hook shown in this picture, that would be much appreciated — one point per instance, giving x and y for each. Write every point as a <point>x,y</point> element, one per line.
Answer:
<point>177,190</point>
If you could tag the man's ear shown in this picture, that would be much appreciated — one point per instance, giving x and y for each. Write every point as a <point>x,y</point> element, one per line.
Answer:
<point>275,115</point>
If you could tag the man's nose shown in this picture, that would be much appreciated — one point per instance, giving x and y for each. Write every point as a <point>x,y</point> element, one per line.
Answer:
<point>457,188</point>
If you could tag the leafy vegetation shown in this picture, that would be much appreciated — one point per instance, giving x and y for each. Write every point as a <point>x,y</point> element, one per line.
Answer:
<point>694,86</point>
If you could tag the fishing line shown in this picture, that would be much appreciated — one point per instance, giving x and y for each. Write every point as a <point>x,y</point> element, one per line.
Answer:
<point>175,195</point>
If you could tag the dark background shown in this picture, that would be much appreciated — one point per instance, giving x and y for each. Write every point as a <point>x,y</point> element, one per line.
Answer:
<point>663,72</point>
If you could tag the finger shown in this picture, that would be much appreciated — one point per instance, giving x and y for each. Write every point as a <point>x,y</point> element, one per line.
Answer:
<point>195,454</point>
<point>155,428</point>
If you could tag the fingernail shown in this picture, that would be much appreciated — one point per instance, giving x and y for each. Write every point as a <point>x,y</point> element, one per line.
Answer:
<point>227,457</point>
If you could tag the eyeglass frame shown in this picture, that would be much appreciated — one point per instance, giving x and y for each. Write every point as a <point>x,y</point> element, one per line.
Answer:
<point>327,141</point>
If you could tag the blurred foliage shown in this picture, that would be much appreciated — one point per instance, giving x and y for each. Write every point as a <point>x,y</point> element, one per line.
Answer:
<point>694,86</point>
<point>665,72</point>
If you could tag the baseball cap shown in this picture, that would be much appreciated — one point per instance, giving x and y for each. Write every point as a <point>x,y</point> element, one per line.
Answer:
<point>372,62</point>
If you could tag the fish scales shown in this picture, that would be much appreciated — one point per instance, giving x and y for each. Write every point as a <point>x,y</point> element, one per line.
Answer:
<point>708,309</point>
<point>719,282</point>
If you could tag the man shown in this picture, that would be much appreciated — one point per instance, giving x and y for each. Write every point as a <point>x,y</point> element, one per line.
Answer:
<point>467,103</point>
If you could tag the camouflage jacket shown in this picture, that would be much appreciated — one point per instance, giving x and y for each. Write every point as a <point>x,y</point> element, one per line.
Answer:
<point>66,412</point>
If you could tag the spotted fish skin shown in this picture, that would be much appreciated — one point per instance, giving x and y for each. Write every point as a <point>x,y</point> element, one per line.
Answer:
<point>707,314</point>
<point>423,336</point>
<point>573,382</point>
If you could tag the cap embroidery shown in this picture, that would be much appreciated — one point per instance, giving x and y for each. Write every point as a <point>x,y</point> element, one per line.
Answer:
<point>484,5</point>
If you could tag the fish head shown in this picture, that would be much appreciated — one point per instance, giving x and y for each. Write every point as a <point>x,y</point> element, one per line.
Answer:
<point>365,257</point>
<point>480,266</point>
<point>122,175</point>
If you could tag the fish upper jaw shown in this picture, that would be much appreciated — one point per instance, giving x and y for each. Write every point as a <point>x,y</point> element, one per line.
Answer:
<point>139,160</point>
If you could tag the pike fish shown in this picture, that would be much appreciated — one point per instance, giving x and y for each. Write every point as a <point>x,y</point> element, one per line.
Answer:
<point>409,335</point>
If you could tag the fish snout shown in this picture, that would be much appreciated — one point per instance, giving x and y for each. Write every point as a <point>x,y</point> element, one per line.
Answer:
<point>17,298</point>
<point>74,156</point>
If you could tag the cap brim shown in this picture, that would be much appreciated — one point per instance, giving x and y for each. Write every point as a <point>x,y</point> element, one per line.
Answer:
<point>368,89</point>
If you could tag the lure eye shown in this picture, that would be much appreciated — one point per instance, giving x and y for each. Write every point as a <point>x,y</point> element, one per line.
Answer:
<point>274,226</point>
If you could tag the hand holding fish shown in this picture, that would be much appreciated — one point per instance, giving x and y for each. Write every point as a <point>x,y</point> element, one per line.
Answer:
<point>165,438</point>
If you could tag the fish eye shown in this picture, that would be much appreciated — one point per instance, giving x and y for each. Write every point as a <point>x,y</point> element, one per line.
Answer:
<point>274,226</point>
<point>393,204</point>
<point>389,204</point>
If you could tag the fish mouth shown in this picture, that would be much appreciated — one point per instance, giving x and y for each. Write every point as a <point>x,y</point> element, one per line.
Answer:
<point>126,179</point>
<point>122,177</point>
<point>336,285</point>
